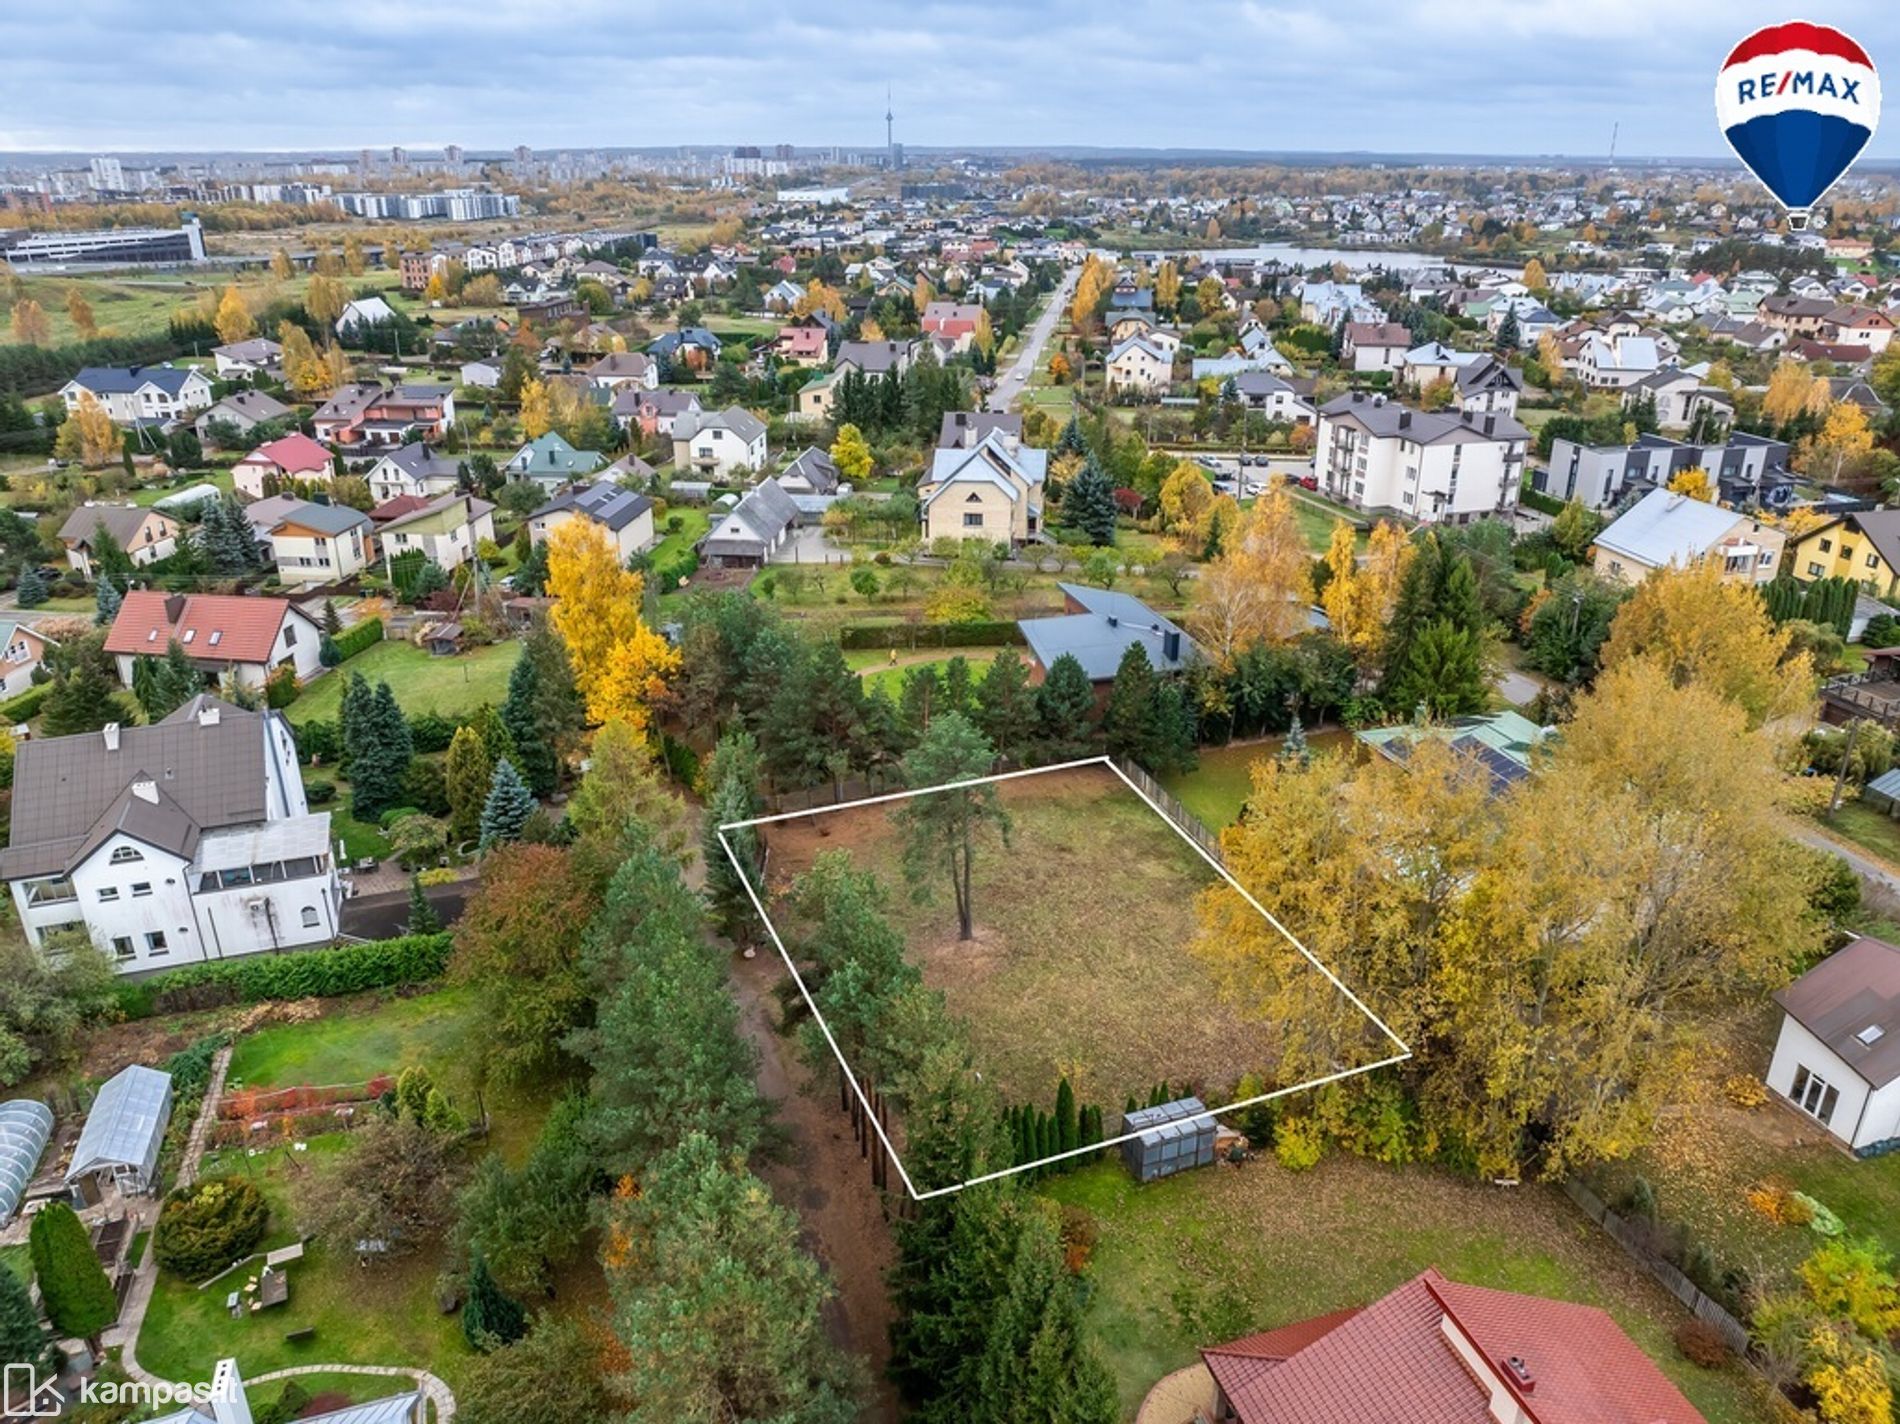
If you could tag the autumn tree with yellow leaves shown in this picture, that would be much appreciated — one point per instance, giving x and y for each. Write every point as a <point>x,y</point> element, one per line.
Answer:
<point>30,325</point>
<point>1793,390</point>
<point>325,298</point>
<point>1167,287</point>
<point>1185,496</point>
<point>79,312</point>
<point>1359,597</point>
<point>1096,279</point>
<point>304,369</point>
<point>88,434</point>
<point>234,321</point>
<point>621,666</point>
<point>1693,482</point>
<point>1843,440</point>
<point>817,297</point>
<point>1260,588</point>
<point>537,409</point>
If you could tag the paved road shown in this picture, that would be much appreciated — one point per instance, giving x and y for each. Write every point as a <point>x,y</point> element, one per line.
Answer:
<point>1010,383</point>
<point>1875,875</point>
<point>382,915</point>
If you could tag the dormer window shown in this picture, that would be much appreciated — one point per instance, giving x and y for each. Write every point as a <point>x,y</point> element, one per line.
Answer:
<point>125,855</point>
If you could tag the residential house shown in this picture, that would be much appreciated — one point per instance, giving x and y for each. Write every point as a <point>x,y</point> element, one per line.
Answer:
<point>624,516</point>
<point>368,415</point>
<point>483,374</point>
<point>247,360</point>
<point>146,535</point>
<point>320,543</point>
<point>782,296</point>
<point>874,358</point>
<point>621,370</point>
<point>1860,326</point>
<point>363,311</point>
<point>1278,398</point>
<point>1613,362</point>
<point>992,490</point>
<point>295,459</point>
<point>1857,390</point>
<point>955,322</point>
<point>1375,346</point>
<point>183,841</point>
<point>1501,743</point>
<point>806,346</point>
<point>1097,630</point>
<point>1863,546</point>
<point>244,637</point>
<point>141,395</point>
<point>448,529</point>
<point>1795,317</point>
<point>1440,1351</point>
<point>1140,364</point>
<point>412,469</point>
<point>1668,530</point>
<point>816,397</point>
<point>1837,1057</point>
<point>811,473</point>
<point>1744,468</point>
<point>652,411</point>
<point>717,444</point>
<point>551,462</point>
<point>966,429</point>
<point>1681,396</point>
<point>1434,466</point>
<point>22,649</point>
<point>753,530</point>
<point>230,1403</point>
<point>243,411</point>
<point>630,471</point>
<point>693,347</point>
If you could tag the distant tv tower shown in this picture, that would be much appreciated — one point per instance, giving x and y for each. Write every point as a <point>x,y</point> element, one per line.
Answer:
<point>890,134</point>
<point>1614,128</point>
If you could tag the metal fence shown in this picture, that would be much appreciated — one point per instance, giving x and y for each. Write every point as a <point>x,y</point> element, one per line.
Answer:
<point>1631,1239</point>
<point>851,788</point>
<point>1191,825</point>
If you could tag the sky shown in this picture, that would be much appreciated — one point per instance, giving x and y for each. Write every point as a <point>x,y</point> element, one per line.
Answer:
<point>1427,76</point>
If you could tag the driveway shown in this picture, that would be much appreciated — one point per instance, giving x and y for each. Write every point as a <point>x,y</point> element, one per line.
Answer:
<point>1010,383</point>
<point>810,545</point>
<point>385,915</point>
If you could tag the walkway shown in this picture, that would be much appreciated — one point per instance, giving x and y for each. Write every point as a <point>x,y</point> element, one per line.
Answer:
<point>441,1398</point>
<point>207,1114</point>
<point>1180,1398</point>
<point>1876,875</point>
<point>1011,383</point>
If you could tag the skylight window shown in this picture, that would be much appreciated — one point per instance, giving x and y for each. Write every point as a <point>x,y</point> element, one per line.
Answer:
<point>190,633</point>
<point>217,635</point>
<point>1870,1035</point>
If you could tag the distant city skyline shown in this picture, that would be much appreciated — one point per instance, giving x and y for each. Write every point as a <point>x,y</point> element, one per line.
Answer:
<point>1479,77</point>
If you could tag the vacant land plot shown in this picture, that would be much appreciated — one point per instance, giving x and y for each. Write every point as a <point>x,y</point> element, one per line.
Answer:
<point>1194,1259</point>
<point>358,1039</point>
<point>1080,965</point>
<point>1222,778</point>
<point>421,681</point>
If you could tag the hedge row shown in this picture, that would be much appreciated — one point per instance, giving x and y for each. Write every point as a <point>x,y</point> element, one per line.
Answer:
<point>1537,499</point>
<point>354,639</point>
<point>306,974</point>
<point>984,633</point>
<point>23,707</point>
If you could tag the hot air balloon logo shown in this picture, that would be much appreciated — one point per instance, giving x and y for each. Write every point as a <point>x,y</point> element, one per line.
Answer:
<point>1798,102</point>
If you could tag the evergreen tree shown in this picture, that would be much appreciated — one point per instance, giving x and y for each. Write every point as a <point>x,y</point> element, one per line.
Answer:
<point>959,690</point>
<point>380,749</point>
<point>1065,708</point>
<point>534,752</point>
<point>332,620</point>
<point>735,797</point>
<point>1005,709</point>
<point>1088,505</point>
<point>1508,334</point>
<point>467,772</point>
<point>79,1300</point>
<point>1128,721</point>
<point>1294,750</point>
<point>83,700</point>
<point>922,700</point>
<point>110,562</point>
<point>353,713</point>
<point>23,1340</point>
<point>490,1317</point>
<point>328,653</point>
<point>106,602</point>
<point>422,916</point>
<point>1067,1124</point>
<point>31,590</point>
<point>1070,442</point>
<point>224,536</point>
<point>508,807</point>
<point>1444,671</point>
<point>1174,727</point>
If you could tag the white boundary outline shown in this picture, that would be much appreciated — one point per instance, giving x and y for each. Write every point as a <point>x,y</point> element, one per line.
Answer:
<point>1404,1051</point>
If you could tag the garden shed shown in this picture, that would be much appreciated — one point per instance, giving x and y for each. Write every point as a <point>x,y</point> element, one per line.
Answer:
<point>125,1129</point>
<point>25,1127</point>
<point>1883,792</point>
<point>1169,1139</point>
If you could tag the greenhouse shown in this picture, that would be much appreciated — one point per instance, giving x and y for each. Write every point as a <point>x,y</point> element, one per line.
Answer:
<point>125,1129</point>
<point>1170,1138</point>
<point>25,1127</point>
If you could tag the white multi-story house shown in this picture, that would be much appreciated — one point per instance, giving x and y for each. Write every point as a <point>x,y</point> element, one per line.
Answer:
<point>1435,467</point>
<point>626,518</point>
<point>141,395</point>
<point>186,840</point>
<point>411,469</point>
<point>448,530</point>
<point>320,543</point>
<point>714,444</point>
<point>1141,363</point>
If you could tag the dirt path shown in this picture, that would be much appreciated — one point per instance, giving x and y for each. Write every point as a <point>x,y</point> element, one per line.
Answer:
<point>824,1179</point>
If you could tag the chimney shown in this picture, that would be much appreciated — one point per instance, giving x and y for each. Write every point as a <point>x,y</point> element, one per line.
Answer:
<point>1113,621</point>
<point>1171,645</point>
<point>1490,425</point>
<point>1405,420</point>
<point>111,733</point>
<point>1519,1374</point>
<point>174,607</point>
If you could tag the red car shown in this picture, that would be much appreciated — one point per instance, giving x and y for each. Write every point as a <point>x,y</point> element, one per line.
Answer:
<point>1310,482</point>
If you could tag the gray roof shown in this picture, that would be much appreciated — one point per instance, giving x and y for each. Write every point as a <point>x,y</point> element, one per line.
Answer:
<point>126,1126</point>
<point>122,522</point>
<point>259,349</point>
<point>742,423</point>
<point>253,405</point>
<point>71,793</point>
<point>605,502</point>
<point>873,358</point>
<point>1385,419</point>
<point>25,1127</point>
<point>964,428</point>
<point>327,519</point>
<point>1851,1002</point>
<point>1098,637</point>
<point>816,468</point>
<point>417,461</point>
<point>1664,527</point>
<point>124,380</point>
<point>754,523</point>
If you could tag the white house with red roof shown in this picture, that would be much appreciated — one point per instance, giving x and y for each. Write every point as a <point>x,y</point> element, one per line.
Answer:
<point>1439,1351</point>
<point>221,633</point>
<point>295,458</point>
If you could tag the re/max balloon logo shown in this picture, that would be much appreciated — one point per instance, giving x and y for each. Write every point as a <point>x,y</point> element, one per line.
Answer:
<point>1798,81</point>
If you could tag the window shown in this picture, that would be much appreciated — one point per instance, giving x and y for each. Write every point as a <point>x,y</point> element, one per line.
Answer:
<point>55,890</point>
<point>1847,552</point>
<point>108,894</point>
<point>310,917</point>
<point>1813,1095</point>
<point>141,889</point>
<point>1870,1035</point>
<point>1873,561</point>
<point>290,635</point>
<point>124,855</point>
<point>155,942</point>
<point>1827,546</point>
<point>122,946</point>
<point>217,636</point>
<point>1815,571</point>
<point>973,521</point>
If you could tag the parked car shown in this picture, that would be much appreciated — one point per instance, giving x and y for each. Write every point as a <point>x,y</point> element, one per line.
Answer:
<point>1310,482</point>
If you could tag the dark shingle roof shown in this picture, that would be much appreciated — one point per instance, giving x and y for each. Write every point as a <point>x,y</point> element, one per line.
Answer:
<point>1855,991</point>
<point>605,502</point>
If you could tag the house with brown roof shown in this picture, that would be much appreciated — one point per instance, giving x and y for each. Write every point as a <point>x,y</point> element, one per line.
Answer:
<point>1376,345</point>
<point>223,634</point>
<point>367,415</point>
<point>146,535</point>
<point>1837,1058</point>
<point>1440,1351</point>
<point>295,459</point>
<point>189,839</point>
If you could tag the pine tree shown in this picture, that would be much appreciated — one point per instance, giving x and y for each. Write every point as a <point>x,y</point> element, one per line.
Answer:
<point>109,559</point>
<point>1294,750</point>
<point>380,749</point>
<point>1088,504</point>
<point>1175,729</point>
<point>106,602</point>
<point>1128,723</point>
<point>31,591</point>
<point>328,653</point>
<point>1065,707</point>
<point>467,772</point>
<point>332,620</point>
<point>508,807</point>
<point>490,1317</point>
<point>922,700</point>
<point>534,751</point>
<point>1067,1125</point>
<point>23,1340</point>
<point>1071,442</point>
<point>735,798</point>
<point>1006,707</point>
<point>422,916</point>
<point>79,1300</point>
<point>83,700</point>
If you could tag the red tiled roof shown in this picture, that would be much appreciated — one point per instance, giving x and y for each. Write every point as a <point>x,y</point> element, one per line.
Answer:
<point>245,629</point>
<point>294,454</point>
<point>396,508</point>
<point>1396,1360</point>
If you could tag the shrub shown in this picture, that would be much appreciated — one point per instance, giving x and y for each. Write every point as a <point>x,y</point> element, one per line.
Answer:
<point>430,732</point>
<point>281,688</point>
<point>1298,1144</point>
<point>318,742</point>
<point>205,1227</point>
<point>322,973</point>
<point>1702,1344</point>
<point>1642,1200</point>
<point>933,635</point>
<point>1820,1220</point>
<point>353,640</point>
<point>26,706</point>
<point>320,793</point>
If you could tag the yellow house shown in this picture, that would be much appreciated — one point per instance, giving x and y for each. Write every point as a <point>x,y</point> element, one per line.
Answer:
<point>1864,547</point>
<point>993,491</point>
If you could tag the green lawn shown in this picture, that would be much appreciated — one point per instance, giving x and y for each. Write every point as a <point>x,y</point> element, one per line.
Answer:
<point>694,522</point>
<point>153,494</point>
<point>358,1039</point>
<point>421,681</point>
<point>1873,831</point>
<point>1259,1247</point>
<point>1317,518</point>
<point>876,673</point>
<point>1222,779</point>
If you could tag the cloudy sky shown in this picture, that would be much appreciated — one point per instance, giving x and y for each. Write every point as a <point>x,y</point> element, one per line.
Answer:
<point>1448,76</point>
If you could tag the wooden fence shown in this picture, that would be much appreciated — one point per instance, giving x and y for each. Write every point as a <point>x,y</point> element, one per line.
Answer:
<point>1631,1239</point>
<point>1190,825</point>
